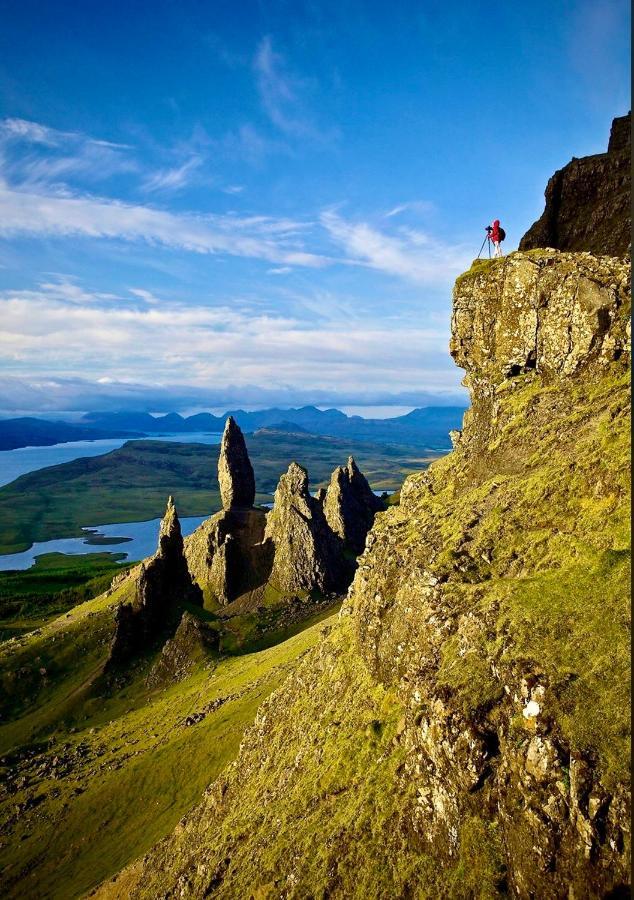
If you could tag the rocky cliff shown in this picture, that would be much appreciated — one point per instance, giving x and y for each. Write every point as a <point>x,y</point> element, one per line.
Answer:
<point>588,201</point>
<point>350,506</point>
<point>463,730</point>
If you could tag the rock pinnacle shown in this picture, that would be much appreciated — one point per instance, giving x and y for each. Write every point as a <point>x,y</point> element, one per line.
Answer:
<point>235,472</point>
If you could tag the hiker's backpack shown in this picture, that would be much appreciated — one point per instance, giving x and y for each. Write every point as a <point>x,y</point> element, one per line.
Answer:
<point>502,233</point>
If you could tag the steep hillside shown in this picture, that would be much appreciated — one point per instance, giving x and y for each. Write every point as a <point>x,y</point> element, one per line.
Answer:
<point>90,781</point>
<point>462,731</point>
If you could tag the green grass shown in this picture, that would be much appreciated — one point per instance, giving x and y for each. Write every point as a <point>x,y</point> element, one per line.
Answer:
<point>133,482</point>
<point>142,770</point>
<point>53,585</point>
<point>544,550</point>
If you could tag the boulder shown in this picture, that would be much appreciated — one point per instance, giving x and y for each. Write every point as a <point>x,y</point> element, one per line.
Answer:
<point>350,506</point>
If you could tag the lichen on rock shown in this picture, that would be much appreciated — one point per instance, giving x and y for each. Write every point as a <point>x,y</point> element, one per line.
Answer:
<point>462,730</point>
<point>163,585</point>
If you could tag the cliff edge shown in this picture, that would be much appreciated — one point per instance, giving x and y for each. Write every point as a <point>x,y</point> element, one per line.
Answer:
<point>588,201</point>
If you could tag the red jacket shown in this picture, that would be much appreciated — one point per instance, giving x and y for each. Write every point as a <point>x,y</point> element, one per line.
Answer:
<point>495,234</point>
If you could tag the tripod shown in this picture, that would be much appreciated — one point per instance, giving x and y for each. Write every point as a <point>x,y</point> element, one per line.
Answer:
<point>487,238</point>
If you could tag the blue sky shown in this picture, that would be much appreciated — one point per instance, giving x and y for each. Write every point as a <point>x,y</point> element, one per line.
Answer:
<point>220,204</point>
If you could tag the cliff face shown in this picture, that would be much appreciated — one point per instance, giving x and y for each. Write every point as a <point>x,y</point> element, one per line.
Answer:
<point>588,201</point>
<point>462,730</point>
<point>495,598</point>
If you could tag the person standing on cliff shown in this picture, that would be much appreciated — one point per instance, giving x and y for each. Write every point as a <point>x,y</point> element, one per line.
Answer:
<point>496,235</point>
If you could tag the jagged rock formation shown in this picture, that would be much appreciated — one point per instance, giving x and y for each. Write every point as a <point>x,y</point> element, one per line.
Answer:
<point>296,548</point>
<point>307,555</point>
<point>550,313</point>
<point>227,555</point>
<point>193,641</point>
<point>588,201</point>
<point>162,586</point>
<point>350,506</point>
<point>235,472</point>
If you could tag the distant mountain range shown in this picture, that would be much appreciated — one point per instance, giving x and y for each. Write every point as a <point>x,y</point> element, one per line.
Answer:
<point>427,427</point>
<point>31,432</point>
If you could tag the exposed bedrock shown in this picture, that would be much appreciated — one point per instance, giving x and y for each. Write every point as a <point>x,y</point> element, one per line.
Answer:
<point>542,313</point>
<point>588,201</point>
<point>350,506</point>
<point>235,472</point>
<point>163,586</point>
<point>307,553</point>
<point>228,555</point>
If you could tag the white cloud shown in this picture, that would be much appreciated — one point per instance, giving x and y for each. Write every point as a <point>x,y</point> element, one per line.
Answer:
<point>409,254</point>
<point>142,294</point>
<point>31,131</point>
<point>421,207</point>
<point>282,95</point>
<point>280,270</point>
<point>211,348</point>
<point>23,212</point>
<point>174,178</point>
<point>34,155</point>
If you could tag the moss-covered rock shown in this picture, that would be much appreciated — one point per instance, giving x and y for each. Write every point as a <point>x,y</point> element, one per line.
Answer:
<point>463,729</point>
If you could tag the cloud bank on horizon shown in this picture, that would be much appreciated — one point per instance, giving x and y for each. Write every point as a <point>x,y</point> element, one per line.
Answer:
<point>277,212</point>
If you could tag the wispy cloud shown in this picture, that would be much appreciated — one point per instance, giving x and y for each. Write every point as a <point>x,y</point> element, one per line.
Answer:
<point>142,294</point>
<point>276,241</point>
<point>421,207</point>
<point>174,178</point>
<point>282,94</point>
<point>35,154</point>
<point>212,347</point>
<point>408,254</point>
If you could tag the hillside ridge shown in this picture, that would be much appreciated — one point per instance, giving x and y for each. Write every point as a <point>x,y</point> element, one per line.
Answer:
<point>462,730</point>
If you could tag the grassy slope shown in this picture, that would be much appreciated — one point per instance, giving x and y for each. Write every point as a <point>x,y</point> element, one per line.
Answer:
<point>132,483</point>
<point>129,766</point>
<point>316,803</point>
<point>28,599</point>
<point>312,807</point>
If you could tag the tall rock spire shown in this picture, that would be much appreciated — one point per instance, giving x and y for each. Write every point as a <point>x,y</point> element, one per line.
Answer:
<point>350,505</point>
<point>235,472</point>
<point>170,541</point>
<point>163,585</point>
<point>307,554</point>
